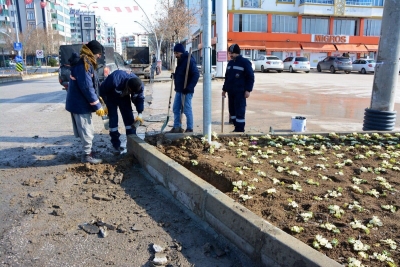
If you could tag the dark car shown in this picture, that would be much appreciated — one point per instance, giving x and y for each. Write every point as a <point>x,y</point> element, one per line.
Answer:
<point>106,64</point>
<point>334,63</point>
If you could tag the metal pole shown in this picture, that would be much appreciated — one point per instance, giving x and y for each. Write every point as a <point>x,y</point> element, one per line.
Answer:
<point>16,25</point>
<point>221,12</point>
<point>381,114</point>
<point>207,69</point>
<point>115,40</point>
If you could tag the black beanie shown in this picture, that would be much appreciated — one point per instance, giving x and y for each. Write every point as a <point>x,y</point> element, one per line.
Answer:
<point>95,47</point>
<point>234,49</point>
<point>179,48</point>
<point>134,84</point>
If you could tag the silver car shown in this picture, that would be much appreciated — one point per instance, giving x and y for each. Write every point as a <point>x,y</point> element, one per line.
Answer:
<point>334,63</point>
<point>293,64</point>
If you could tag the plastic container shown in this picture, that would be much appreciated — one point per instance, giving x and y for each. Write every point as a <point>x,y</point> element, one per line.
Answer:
<point>298,124</point>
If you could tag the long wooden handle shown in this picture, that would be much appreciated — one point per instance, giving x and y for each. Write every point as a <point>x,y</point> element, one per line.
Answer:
<point>187,68</point>
<point>222,114</point>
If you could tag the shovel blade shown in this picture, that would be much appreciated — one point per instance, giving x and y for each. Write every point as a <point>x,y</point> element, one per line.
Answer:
<point>165,124</point>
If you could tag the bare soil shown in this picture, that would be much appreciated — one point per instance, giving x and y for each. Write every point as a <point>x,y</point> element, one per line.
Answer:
<point>326,168</point>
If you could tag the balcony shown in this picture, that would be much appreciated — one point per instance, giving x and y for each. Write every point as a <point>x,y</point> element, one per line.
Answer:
<point>316,7</point>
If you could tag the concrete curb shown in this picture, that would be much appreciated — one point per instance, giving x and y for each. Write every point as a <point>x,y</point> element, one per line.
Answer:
<point>259,239</point>
<point>17,78</point>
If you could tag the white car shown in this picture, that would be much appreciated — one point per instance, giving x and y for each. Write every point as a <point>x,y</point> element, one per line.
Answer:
<point>364,65</point>
<point>293,64</point>
<point>265,63</point>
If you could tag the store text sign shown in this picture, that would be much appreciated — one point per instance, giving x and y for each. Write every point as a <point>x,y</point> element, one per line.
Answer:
<point>322,38</point>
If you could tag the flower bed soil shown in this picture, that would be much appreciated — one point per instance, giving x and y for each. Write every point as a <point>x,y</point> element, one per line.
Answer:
<point>315,172</point>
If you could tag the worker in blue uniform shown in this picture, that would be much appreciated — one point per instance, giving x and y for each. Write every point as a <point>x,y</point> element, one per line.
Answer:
<point>239,81</point>
<point>118,90</point>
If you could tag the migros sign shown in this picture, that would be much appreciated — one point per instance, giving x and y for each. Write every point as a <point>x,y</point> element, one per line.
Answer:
<point>321,38</point>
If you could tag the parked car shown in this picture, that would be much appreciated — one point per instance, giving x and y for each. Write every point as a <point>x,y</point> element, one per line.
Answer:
<point>293,64</point>
<point>334,63</point>
<point>106,64</point>
<point>266,63</point>
<point>364,65</point>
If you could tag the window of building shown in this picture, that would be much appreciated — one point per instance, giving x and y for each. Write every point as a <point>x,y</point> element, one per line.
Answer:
<point>31,5</point>
<point>326,2</point>
<point>30,15</point>
<point>285,1</point>
<point>283,23</point>
<point>60,18</point>
<point>249,23</point>
<point>372,27</point>
<point>86,18</point>
<point>251,3</point>
<point>12,13</point>
<point>313,25</point>
<point>345,27</point>
<point>31,25</point>
<point>359,2</point>
<point>378,2</point>
<point>87,25</point>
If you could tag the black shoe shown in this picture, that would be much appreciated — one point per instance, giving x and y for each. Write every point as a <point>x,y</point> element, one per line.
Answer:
<point>120,150</point>
<point>176,130</point>
<point>189,131</point>
<point>89,158</point>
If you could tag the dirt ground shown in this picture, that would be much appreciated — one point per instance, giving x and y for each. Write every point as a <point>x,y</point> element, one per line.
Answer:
<point>56,211</point>
<point>331,186</point>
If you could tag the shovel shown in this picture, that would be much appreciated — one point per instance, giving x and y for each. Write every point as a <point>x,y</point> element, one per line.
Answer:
<point>170,96</point>
<point>184,85</point>
<point>222,114</point>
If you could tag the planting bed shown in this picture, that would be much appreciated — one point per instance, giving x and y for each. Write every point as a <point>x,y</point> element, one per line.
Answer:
<point>337,193</point>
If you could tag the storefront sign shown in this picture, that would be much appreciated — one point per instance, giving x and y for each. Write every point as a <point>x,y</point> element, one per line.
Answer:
<point>321,38</point>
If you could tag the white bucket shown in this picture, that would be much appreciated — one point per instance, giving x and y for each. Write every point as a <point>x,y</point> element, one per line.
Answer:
<point>298,124</point>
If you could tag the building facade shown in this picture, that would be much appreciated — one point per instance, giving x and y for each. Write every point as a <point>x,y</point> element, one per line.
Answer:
<point>310,28</point>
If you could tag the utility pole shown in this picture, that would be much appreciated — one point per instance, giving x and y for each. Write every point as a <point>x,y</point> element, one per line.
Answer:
<point>16,25</point>
<point>381,115</point>
<point>206,17</point>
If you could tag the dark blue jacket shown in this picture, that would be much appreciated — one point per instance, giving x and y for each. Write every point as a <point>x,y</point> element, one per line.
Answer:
<point>180,73</point>
<point>82,90</point>
<point>113,86</point>
<point>239,76</point>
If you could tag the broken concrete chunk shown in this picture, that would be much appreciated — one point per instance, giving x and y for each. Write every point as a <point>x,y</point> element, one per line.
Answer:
<point>160,259</point>
<point>35,194</point>
<point>103,231</point>
<point>102,197</point>
<point>136,228</point>
<point>57,212</point>
<point>90,228</point>
<point>158,248</point>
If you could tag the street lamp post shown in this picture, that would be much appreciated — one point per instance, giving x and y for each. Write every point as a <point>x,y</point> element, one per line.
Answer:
<point>87,5</point>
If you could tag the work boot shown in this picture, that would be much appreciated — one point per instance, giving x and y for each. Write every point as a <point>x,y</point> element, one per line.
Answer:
<point>176,130</point>
<point>89,158</point>
<point>120,150</point>
<point>189,131</point>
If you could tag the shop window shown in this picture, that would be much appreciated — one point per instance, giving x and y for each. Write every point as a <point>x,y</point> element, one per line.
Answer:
<point>251,3</point>
<point>283,23</point>
<point>249,23</point>
<point>345,27</point>
<point>372,27</point>
<point>313,25</point>
<point>359,2</point>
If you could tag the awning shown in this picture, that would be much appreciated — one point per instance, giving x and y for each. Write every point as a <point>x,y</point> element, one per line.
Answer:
<point>372,48</point>
<point>256,45</point>
<point>318,47</point>
<point>355,48</point>
<point>282,46</point>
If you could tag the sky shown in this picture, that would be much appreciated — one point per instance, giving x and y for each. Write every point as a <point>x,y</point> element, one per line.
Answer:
<point>125,20</point>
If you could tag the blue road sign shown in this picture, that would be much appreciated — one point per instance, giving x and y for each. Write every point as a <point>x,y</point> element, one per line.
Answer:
<point>18,58</point>
<point>17,46</point>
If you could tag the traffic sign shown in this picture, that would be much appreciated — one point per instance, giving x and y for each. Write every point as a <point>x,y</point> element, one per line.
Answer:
<point>39,54</point>
<point>18,58</point>
<point>19,67</point>
<point>17,46</point>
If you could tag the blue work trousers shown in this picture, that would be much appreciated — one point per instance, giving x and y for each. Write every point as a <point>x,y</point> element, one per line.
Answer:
<point>125,107</point>
<point>237,110</point>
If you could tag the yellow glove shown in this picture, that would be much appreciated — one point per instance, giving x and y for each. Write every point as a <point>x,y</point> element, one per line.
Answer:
<point>139,118</point>
<point>103,104</point>
<point>100,112</point>
<point>105,110</point>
